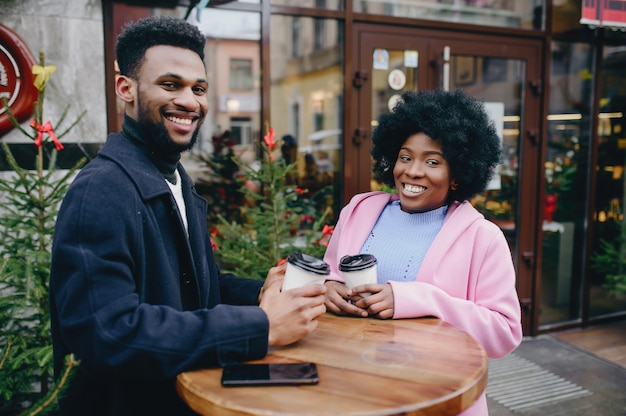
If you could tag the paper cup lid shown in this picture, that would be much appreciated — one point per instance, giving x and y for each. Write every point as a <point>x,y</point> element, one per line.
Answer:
<point>357,262</point>
<point>309,263</point>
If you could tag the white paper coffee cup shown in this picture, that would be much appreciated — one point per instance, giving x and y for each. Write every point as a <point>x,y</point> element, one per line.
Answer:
<point>303,270</point>
<point>358,270</point>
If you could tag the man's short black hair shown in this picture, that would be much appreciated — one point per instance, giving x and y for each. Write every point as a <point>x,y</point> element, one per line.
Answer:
<point>139,36</point>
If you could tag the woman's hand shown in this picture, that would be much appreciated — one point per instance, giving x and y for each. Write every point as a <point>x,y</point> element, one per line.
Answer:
<point>378,304</point>
<point>338,300</point>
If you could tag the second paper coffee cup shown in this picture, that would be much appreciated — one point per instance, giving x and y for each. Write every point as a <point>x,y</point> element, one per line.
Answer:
<point>303,269</point>
<point>358,270</point>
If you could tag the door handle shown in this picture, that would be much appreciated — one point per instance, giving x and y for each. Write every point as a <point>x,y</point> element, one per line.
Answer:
<point>528,257</point>
<point>536,86</point>
<point>533,135</point>
<point>526,304</point>
<point>359,136</point>
<point>360,77</point>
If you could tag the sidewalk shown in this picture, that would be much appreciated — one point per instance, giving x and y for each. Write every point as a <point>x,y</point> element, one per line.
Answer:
<point>562,374</point>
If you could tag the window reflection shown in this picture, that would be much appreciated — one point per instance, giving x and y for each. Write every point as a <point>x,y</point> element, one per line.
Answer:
<point>231,127</point>
<point>500,13</point>
<point>307,102</point>
<point>318,4</point>
<point>566,16</point>
<point>233,69</point>
<point>565,173</point>
<point>241,74</point>
<point>609,229</point>
<point>498,82</point>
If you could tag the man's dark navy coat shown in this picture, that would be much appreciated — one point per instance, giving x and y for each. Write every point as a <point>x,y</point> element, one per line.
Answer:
<point>134,298</point>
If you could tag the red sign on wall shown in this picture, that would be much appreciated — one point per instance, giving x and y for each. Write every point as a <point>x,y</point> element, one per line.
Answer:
<point>604,13</point>
<point>16,78</point>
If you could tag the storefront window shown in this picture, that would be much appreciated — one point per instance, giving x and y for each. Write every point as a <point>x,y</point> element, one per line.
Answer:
<point>584,15</point>
<point>566,171</point>
<point>610,15</point>
<point>241,74</point>
<point>307,103</point>
<point>231,127</point>
<point>616,36</point>
<point>566,16</point>
<point>499,13</point>
<point>608,272</point>
<point>318,4</point>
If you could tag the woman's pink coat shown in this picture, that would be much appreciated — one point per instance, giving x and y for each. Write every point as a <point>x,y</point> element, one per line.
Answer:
<point>467,277</point>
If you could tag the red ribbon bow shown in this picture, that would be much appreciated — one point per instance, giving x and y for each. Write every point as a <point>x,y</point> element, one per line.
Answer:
<point>269,141</point>
<point>45,128</point>
<point>327,232</point>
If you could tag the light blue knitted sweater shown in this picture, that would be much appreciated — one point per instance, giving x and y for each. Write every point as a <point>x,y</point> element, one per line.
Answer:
<point>400,240</point>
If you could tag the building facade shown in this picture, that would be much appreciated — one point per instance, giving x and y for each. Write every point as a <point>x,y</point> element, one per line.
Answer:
<point>320,72</point>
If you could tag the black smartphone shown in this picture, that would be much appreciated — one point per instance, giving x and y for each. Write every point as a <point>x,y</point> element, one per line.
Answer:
<point>275,374</point>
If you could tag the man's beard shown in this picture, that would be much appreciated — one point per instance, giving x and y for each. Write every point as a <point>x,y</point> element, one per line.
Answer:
<point>157,135</point>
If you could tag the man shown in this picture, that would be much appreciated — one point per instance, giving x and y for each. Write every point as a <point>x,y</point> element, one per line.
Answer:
<point>135,292</point>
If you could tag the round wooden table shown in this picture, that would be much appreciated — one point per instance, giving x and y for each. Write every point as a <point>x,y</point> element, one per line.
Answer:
<point>366,367</point>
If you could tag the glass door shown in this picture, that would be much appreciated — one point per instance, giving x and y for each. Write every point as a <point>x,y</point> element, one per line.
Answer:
<point>507,79</point>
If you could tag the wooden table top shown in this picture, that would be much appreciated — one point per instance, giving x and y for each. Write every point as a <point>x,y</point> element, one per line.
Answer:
<point>366,366</point>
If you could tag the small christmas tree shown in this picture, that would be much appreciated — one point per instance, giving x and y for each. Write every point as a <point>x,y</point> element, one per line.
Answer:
<point>29,209</point>
<point>276,220</point>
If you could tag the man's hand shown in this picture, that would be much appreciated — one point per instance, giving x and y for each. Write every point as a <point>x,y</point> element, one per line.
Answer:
<point>274,274</point>
<point>292,314</point>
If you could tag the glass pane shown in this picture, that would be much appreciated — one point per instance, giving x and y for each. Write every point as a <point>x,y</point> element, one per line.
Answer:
<point>608,14</point>
<point>233,61</point>
<point>566,170</point>
<point>241,74</point>
<point>566,16</point>
<point>609,226</point>
<point>318,4</point>
<point>616,36</point>
<point>497,82</point>
<point>500,13</point>
<point>393,72</point>
<point>584,15</point>
<point>307,103</point>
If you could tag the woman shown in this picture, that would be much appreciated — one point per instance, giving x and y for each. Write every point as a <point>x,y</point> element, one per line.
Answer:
<point>437,255</point>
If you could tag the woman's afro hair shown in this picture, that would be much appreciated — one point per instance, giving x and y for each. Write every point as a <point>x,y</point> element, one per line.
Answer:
<point>458,121</point>
<point>138,36</point>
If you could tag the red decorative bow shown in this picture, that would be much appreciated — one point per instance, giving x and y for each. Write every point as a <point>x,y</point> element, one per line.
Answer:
<point>214,245</point>
<point>269,141</point>
<point>327,231</point>
<point>46,128</point>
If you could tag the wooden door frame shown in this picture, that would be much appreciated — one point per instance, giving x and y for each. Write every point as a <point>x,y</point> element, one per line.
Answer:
<point>356,155</point>
<point>357,163</point>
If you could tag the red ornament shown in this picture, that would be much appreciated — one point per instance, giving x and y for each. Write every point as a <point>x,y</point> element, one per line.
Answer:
<point>16,78</point>
<point>549,207</point>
